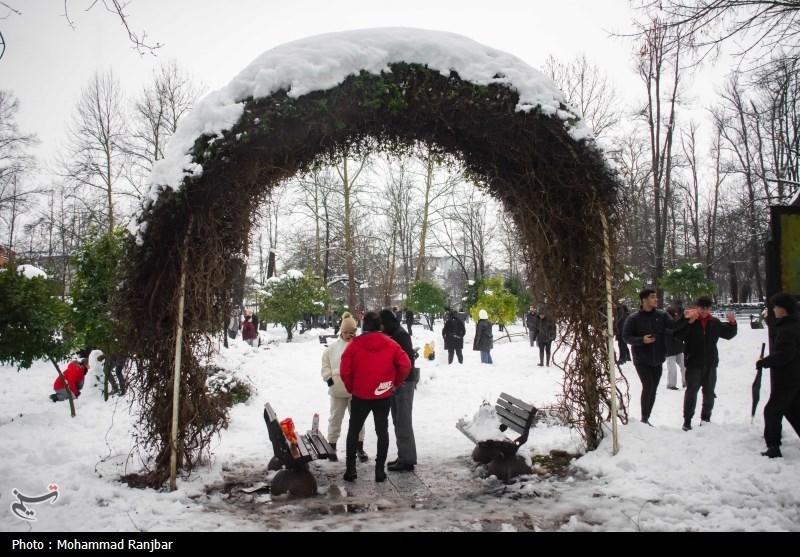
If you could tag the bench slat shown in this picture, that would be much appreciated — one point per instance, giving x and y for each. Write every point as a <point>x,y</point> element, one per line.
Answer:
<point>517,402</point>
<point>511,420</point>
<point>462,427</point>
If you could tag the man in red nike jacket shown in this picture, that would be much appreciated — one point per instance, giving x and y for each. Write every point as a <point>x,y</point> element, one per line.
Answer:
<point>372,366</point>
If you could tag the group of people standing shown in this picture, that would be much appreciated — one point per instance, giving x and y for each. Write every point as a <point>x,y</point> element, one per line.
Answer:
<point>689,338</point>
<point>372,373</point>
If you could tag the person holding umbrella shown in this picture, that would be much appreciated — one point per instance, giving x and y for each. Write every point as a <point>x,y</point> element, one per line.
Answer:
<point>784,364</point>
<point>701,357</point>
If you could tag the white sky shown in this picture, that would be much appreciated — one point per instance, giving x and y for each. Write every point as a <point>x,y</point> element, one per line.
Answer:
<point>46,63</point>
<point>710,479</point>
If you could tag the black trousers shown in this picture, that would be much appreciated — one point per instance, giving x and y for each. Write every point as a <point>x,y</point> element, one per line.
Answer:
<point>650,376</point>
<point>458,354</point>
<point>697,378</point>
<point>542,349</point>
<point>782,403</point>
<point>624,352</point>
<point>359,410</point>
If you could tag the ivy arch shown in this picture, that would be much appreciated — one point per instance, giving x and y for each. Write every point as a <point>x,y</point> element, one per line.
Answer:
<point>560,192</point>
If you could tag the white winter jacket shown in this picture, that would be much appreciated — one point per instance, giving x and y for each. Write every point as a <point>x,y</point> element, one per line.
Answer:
<point>331,359</point>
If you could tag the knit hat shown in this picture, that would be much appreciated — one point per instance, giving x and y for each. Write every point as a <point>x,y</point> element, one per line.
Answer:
<point>482,314</point>
<point>786,301</point>
<point>349,324</point>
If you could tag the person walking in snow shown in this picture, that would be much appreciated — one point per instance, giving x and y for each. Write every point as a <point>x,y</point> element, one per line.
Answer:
<point>675,346</point>
<point>701,357</point>
<point>784,376</point>
<point>645,330</point>
<point>483,341</point>
<point>249,333</point>
<point>372,366</point>
<point>340,398</point>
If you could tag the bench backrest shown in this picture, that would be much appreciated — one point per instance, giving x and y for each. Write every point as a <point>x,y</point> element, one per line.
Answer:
<point>280,447</point>
<point>515,414</point>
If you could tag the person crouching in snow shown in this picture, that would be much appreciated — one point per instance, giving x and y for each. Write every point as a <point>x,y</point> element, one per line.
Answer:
<point>75,374</point>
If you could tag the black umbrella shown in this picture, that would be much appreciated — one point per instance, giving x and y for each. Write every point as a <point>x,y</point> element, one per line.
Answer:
<point>756,389</point>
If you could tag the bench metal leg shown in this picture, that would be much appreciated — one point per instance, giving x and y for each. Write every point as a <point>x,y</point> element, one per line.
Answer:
<point>295,482</point>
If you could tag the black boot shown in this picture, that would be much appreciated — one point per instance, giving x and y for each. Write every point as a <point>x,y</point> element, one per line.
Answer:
<point>350,474</point>
<point>333,457</point>
<point>380,473</point>
<point>362,456</point>
<point>773,451</point>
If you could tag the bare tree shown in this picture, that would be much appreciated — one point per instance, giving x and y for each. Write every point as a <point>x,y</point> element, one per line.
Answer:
<point>752,24</point>
<point>169,96</point>
<point>117,7</point>
<point>589,90</point>
<point>95,158</point>
<point>15,163</point>
<point>659,67</point>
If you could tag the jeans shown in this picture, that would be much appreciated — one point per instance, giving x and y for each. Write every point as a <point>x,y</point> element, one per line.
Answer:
<point>486,357</point>
<point>542,349</point>
<point>401,403</point>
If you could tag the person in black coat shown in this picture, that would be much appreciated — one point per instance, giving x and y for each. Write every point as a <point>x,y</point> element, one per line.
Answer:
<point>409,320</point>
<point>453,333</point>
<point>645,330</point>
<point>532,322</point>
<point>402,400</point>
<point>701,358</point>
<point>620,317</point>
<point>784,375</point>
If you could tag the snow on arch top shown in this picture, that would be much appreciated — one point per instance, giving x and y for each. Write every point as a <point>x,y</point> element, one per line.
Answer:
<point>324,61</point>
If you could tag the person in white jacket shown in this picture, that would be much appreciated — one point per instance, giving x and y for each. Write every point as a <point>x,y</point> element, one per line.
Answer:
<point>340,398</point>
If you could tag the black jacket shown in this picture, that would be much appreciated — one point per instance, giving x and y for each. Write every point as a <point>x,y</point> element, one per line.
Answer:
<point>700,346</point>
<point>483,335</point>
<point>453,333</point>
<point>784,358</point>
<point>655,322</point>
<point>401,337</point>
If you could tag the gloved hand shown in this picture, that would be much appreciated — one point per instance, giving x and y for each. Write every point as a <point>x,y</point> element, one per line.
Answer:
<point>760,365</point>
<point>330,382</point>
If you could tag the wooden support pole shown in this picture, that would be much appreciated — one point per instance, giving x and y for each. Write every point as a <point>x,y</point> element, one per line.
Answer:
<point>176,374</point>
<point>610,331</point>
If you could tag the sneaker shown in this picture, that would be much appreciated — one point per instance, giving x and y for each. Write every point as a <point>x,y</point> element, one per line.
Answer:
<point>54,397</point>
<point>772,452</point>
<point>540,365</point>
<point>673,388</point>
<point>687,426</point>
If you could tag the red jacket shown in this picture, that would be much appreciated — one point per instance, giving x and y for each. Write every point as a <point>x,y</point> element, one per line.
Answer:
<point>75,375</point>
<point>373,365</point>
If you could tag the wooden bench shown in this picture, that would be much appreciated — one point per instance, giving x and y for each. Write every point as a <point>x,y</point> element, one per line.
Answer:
<point>323,339</point>
<point>500,455</point>
<point>291,459</point>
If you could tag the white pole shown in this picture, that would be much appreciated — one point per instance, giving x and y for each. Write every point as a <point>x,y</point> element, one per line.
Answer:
<point>610,332</point>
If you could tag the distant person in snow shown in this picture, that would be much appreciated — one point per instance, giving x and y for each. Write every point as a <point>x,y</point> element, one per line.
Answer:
<point>75,375</point>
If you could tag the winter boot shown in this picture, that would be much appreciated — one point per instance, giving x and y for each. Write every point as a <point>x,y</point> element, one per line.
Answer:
<point>380,472</point>
<point>333,457</point>
<point>350,474</point>
<point>773,451</point>
<point>362,456</point>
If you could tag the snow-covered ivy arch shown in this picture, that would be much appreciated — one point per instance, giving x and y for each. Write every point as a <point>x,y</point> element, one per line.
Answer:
<point>375,89</point>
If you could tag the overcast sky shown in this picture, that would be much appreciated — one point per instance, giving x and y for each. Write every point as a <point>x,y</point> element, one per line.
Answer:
<point>46,63</point>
